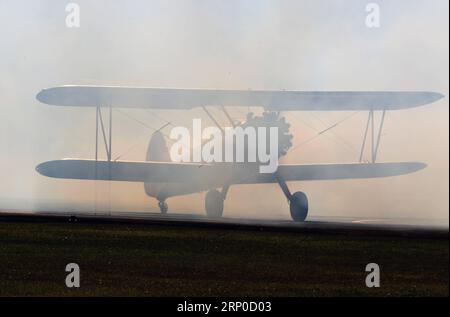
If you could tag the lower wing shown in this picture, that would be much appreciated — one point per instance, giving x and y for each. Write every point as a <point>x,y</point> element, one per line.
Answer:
<point>216,175</point>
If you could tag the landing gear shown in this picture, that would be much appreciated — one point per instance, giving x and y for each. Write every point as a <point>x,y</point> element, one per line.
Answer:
<point>163,207</point>
<point>298,204</point>
<point>214,203</point>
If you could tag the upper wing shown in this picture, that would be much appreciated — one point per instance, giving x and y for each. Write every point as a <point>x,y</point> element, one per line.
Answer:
<point>215,175</point>
<point>162,98</point>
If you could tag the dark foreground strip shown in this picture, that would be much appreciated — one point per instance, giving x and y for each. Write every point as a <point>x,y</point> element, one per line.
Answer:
<point>325,228</point>
<point>273,306</point>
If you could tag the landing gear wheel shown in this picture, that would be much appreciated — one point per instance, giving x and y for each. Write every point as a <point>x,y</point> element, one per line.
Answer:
<point>299,206</point>
<point>163,207</point>
<point>214,203</point>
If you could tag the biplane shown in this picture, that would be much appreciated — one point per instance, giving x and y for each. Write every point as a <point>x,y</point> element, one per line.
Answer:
<point>163,178</point>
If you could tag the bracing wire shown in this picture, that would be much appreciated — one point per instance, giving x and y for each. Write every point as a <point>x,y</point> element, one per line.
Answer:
<point>323,131</point>
<point>142,123</point>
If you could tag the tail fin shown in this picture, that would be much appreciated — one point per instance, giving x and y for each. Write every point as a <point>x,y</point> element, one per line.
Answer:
<point>157,150</point>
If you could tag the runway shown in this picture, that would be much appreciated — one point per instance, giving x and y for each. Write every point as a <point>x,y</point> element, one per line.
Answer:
<point>315,225</point>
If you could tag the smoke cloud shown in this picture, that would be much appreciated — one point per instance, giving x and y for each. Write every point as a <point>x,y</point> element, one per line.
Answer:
<point>292,45</point>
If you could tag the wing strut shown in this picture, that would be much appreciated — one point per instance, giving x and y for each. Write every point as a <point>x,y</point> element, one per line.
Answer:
<point>226,187</point>
<point>212,118</point>
<point>374,144</point>
<point>228,117</point>
<point>107,140</point>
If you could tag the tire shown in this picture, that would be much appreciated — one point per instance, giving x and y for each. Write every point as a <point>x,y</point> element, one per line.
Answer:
<point>299,207</point>
<point>214,204</point>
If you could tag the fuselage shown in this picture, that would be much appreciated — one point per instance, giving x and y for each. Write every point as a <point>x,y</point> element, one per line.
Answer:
<point>158,151</point>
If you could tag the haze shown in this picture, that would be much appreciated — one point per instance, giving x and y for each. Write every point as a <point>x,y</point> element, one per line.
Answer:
<point>292,45</point>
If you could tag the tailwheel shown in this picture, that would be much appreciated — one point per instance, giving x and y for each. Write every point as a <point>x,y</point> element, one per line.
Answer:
<point>299,206</point>
<point>214,203</point>
<point>163,207</point>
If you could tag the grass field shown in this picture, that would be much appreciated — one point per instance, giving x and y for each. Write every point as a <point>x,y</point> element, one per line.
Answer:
<point>145,260</point>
